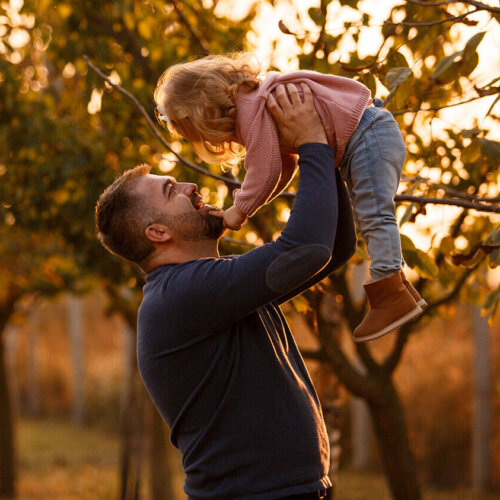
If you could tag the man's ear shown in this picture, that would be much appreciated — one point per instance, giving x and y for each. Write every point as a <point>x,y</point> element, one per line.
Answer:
<point>157,233</point>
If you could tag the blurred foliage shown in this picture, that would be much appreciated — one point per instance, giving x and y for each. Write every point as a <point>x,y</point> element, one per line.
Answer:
<point>57,156</point>
<point>66,135</point>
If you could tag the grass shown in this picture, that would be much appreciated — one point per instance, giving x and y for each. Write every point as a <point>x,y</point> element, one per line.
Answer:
<point>353,485</point>
<point>61,461</point>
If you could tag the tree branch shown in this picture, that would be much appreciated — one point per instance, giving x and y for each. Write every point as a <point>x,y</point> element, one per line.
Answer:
<point>318,355</point>
<point>126,39</point>
<point>482,6</point>
<point>437,108</point>
<point>390,363</point>
<point>185,22</point>
<point>433,23</point>
<point>448,190</point>
<point>152,126</point>
<point>432,4</point>
<point>444,201</point>
<point>233,183</point>
<point>239,242</point>
<point>392,360</point>
<point>479,5</point>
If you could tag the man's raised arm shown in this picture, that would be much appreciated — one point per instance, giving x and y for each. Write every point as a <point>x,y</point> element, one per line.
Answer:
<point>221,291</point>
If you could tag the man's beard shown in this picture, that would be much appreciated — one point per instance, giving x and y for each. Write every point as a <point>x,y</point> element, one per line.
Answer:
<point>195,226</point>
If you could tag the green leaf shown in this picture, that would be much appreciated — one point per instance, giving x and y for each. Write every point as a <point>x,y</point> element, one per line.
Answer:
<point>396,76</point>
<point>447,245</point>
<point>474,41</point>
<point>400,81</point>
<point>418,260</point>
<point>351,3</point>
<point>491,305</point>
<point>369,80</point>
<point>471,153</point>
<point>446,69</point>
<point>468,64</point>
<point>316,15</point>
<point>494,256</point>
<point>408,213</point>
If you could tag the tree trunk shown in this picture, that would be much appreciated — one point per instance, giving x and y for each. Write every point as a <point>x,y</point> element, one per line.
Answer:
<point>481,423</point>
<point>33,365</point>
<point>361,435</point>
<point>7,451</point>
<point>392,436</point>
<point>75,326</point>
<point>161,470</point>
<point>132,424</point>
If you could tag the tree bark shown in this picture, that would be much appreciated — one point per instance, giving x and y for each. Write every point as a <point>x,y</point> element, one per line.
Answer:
<point>33,365</point>
<point>75,327</point>
<point>161,470</point>
<point>392,436</point>
<point>482,407</point>
<point>7,450</point>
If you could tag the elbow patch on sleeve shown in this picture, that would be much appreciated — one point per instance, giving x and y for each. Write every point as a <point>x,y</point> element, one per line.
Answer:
<point>292,268</point>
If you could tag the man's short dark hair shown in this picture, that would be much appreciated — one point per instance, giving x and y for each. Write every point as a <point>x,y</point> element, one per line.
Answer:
<point>122,215</point>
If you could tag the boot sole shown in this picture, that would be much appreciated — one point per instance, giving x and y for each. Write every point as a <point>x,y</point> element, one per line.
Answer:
<point>401,321</point>
<point>422,303</point>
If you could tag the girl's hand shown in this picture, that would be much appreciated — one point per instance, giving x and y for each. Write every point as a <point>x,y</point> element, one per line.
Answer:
<point>233,217</point>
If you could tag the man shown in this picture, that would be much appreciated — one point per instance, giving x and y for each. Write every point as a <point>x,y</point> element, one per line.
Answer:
<point>214,349</point>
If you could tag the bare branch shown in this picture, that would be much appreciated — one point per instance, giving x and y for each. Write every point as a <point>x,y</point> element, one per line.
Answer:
<point>318,355</point>
<point>392,360</point>
<point>125,38</point>
<point>234,183</point>
<point>448,190</point>
<point>482,6</point>
<point>155,131</point>
<point>444,201</point>
<point>239,242</point>
<point>187,25</point>
<point>456,289</point>
<point>474,3</point>
<point>432,4</point>
<point>433,23</point>
<point>437,108</point>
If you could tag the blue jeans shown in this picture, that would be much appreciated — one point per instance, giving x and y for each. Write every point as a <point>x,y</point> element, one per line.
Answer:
<point>371,167</point>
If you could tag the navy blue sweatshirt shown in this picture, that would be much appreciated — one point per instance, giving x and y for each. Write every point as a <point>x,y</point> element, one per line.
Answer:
<point>220,363</point>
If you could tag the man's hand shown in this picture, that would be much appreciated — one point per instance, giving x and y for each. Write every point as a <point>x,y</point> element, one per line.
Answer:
<point>298,122</point>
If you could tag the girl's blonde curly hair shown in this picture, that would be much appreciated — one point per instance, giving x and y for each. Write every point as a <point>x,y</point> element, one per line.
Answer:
<point>197,100</point>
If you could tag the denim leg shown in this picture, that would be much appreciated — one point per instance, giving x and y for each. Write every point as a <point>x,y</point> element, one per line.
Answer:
<point>372,168</point>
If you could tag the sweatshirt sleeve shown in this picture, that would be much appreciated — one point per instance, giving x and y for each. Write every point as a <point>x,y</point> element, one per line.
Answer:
<point>262,164</point>
<point>212,294</point>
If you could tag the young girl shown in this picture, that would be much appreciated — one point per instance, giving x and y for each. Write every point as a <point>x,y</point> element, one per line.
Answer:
<point>218,103</point>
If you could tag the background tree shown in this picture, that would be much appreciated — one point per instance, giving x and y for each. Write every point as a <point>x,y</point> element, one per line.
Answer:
<point>60,153</point>
<point>66,135</point>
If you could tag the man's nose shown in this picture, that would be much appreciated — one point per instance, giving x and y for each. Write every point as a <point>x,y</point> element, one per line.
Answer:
<point>188,188</point>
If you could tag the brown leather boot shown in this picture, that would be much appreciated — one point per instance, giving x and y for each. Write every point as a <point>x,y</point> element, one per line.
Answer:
<point>416,296</point>
<point>391,305</point>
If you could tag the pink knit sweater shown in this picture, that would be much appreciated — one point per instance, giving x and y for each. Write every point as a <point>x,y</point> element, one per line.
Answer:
<point>340,103</point>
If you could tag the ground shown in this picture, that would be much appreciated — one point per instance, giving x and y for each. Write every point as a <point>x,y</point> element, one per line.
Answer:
<point>62,461</point>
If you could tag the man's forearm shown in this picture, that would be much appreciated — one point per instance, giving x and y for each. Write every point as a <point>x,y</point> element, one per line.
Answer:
<point>313,218</point>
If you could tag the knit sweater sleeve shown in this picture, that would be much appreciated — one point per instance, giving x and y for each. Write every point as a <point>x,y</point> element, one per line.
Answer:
<point>262,163</point>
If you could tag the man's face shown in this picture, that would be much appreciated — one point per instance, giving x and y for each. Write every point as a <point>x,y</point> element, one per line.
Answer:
<point>180,207</point>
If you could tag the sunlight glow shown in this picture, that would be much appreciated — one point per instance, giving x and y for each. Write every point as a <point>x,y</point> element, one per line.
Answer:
<point>168,162</point>
<point>94,105</point>
<point>18,38</point>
